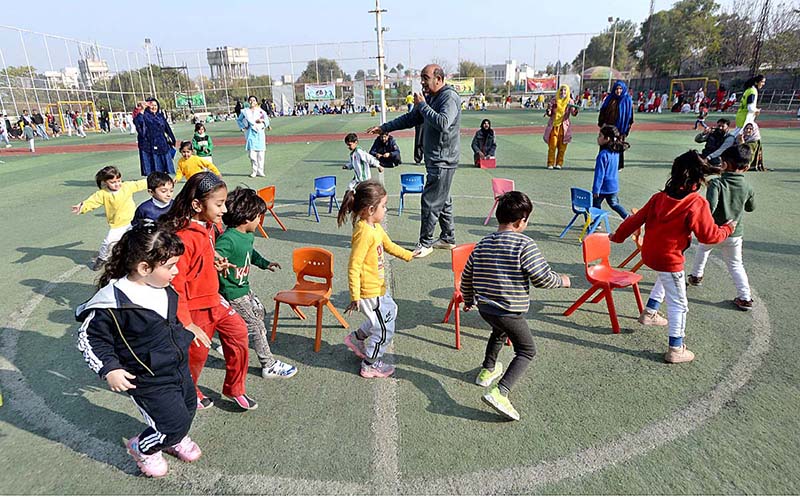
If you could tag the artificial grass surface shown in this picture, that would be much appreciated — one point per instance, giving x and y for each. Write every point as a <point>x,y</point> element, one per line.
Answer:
<point>585,388</point>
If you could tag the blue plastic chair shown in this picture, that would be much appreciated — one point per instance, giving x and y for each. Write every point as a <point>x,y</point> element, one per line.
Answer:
<point>324,186</point>
<point>410,183</point>
<point>582,206</point>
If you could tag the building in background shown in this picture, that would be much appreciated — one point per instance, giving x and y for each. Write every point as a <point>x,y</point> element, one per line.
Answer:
<point>228,62</point>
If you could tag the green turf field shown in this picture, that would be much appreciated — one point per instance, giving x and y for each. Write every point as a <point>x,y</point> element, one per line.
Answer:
<point>601,413</point>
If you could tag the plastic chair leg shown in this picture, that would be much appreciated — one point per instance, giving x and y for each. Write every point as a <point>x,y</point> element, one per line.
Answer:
<point>314,208</point>
<point>400,210</point>
<point>458,327</point>
<point>449,309</point>
<point>585,227</point>
<point>277,219</point>
<point>638,296</point>
<point>298,312</point>
<point>330,203</point>
<point>261,229</point>
<point>568,226</point>
<point>310,203</point>
<point>275,321</point>
<point>583,298</point>
<point>612,310</point>
<point>491,211</point>
<point>336,202</point>
<point>630,257</point>
<point>318,338</point>
<point>637,266</point>
<point>608,228</point>
<point>338,316</point>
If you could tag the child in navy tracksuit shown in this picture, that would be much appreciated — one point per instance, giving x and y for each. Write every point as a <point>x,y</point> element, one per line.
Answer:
<point>606,169</point>
<point>131,337</point>
<point>160,186</point>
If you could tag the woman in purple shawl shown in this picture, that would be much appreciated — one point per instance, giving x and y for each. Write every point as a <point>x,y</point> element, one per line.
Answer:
<point>156,140</point>
<point>617,110</point>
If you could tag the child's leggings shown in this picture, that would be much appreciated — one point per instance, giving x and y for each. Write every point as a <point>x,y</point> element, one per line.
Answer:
<point>233,335</point>
<point>377,331</point>
<point>672,287</point>
<point>732,255</point>
<point>112,237</point>
<point>168,411</point>
<point>257,161</point>
<point>252,311</point>
<point>515,328</point>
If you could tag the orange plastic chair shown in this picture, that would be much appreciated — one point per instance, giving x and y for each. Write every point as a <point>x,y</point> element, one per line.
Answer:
<point>459,257</point>
<point>267,194</point>
<point>311,262</point>
<point>597,247</point>
<point>499,187</point>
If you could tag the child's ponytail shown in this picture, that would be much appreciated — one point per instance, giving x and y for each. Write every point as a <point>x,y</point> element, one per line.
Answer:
<point>688,173</point>
<point>346,208</point>
<point>142,243</point>
<point>616,143</point>
<point>367,194</point>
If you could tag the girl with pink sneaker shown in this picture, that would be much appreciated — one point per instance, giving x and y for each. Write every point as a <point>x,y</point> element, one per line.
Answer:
<point>132,338</point>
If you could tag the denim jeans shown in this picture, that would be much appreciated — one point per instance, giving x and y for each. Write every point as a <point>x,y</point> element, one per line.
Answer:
<point>613,202</point>
<point>437,205</point>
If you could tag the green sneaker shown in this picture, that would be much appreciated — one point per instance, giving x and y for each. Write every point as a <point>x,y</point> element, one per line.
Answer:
<point>500,403</point>
<point>486,377</point>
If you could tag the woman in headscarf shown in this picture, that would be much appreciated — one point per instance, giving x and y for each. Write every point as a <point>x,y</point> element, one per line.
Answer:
<point>558,134</point>
<point>156,141</point>
<point>748,110</point>
<point>751,136</point>
<point>617,110</point>
<point>253,121</point>
<point>483,144</point>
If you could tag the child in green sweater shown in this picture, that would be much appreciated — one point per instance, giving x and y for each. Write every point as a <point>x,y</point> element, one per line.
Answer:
<point>201,143</point>
<point>729,197</point>
<point>245,209</point>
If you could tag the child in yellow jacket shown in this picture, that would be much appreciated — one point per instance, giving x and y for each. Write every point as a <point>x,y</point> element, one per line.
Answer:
<point>116,196</point>
<point>367,204</point>
<point>190,164</point>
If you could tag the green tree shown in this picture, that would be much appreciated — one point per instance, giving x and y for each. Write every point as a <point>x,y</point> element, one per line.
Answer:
<point>360,75</point>
<point>469,69</point>
<point>598,51</point>
<point>321,70</point>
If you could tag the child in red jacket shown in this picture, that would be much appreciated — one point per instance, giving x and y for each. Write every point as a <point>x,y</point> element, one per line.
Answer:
<point>670,217</point>
<point>195,211</point>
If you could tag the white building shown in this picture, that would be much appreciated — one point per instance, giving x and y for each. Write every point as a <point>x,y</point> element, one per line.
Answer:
<point>68,77</point>
<point>228,62</point>
<point>92,70</point>
<point>500,73</point>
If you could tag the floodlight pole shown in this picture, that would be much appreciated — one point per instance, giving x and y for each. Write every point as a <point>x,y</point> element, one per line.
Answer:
<point>150,67</point>
<point>613,49</point>
<point>379,29</point>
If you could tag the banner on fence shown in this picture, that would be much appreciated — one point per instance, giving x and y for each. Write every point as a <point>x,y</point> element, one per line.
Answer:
<point>320,92</point>
<point>541,84</point>
<point>462,86</point>
<point>359,94</point>
<point>190,100</point>
<point>283,96</point>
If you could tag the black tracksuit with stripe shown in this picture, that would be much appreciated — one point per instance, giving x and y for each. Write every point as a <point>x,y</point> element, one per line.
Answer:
<point>119,334</point>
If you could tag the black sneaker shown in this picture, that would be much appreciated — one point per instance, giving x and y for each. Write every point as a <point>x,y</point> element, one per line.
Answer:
<point>744,305</point>
<point>695,280</point>
<point>245,402</point>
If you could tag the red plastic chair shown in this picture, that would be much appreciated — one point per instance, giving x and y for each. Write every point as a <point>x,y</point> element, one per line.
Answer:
<point>459,257</point>
<point>311,262</point>
<point>499,187</point>
<point>597,247</point>
<point>267,194</point>
<point>638,239</point>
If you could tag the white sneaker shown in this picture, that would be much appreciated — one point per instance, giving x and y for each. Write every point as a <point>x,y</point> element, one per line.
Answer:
<point>421,252</point>
<point>441,244</point>
<point>279,370</point>
<point>253,175</point>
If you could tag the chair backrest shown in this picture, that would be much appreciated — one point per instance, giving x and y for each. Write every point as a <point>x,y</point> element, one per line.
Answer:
<point>581,200</point>
<point>459,256</point>
<point>315,262</point>
<point>325,184</point>
<point>267,194</point>
<point>596,247</point>
<point>501,186</point>
<point>412,181</point>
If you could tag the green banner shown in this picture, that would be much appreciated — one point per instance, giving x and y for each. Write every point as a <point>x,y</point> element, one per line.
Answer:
<point>189,100</point>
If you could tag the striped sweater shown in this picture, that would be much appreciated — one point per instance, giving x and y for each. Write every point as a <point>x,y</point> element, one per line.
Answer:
<point>501,269</point>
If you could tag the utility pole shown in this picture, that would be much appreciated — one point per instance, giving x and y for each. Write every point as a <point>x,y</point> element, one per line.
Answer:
<point>650,22</point>
<point>762,25</point>
<point>150,67</point>
<point>379,30</point>
<point>613,49</point>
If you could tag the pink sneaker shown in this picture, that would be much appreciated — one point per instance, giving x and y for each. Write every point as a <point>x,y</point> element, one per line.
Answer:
<point>356,345</point>
<point>186,450</point>
<point>154,466</point>
<point>377,369</point>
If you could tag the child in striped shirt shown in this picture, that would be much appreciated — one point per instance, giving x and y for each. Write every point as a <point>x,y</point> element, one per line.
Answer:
<point>359,162</point>
<point>497,277</point>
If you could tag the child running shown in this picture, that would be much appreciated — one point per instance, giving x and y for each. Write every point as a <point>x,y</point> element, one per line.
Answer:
<point>116,196</point>
<point>670,217</point>
<point>366,277</point>
<point>729,197</point>
<point>189,165</point>
<point>497,277</point>
<point>132,338</point>
<point>606,169</point>
<point>160,187</point>
<point>359,162</point>
<point>201,143</point>
<point>245,209</point>
<point>195,212</point>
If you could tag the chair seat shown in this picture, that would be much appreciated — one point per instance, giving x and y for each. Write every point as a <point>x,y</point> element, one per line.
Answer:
<point>300,298</point>
<point>311,287</point>
<point>616,279</point>
<point>412,190</point>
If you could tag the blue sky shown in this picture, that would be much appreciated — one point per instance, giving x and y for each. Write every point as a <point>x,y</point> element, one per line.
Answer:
<point>201,24</point>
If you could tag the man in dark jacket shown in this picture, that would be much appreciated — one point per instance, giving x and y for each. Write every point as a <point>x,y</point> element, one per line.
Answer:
<point>438,109</point>
<point>716,140</point>
<point>385,149</point>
